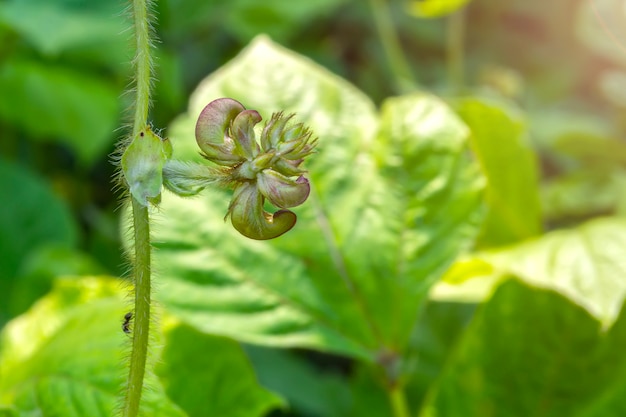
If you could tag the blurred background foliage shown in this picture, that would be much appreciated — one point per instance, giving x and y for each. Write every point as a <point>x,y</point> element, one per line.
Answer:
<point>65,64</point>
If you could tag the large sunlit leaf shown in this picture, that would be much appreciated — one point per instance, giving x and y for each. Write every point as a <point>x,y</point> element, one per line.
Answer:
<point>429,208</point>
<point>66,355</point>
<point>209,376</point>
<point>387,213</point>
<point>585,264</point>
<point>530,352</point>
<point>499,140</point>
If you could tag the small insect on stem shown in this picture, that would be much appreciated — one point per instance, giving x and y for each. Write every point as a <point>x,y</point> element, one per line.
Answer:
<point>126,325</point>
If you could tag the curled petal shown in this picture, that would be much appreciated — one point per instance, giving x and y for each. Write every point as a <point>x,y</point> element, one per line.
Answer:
<point>242,132</point>
<point>248,217</point>
<point>282,191</point>
<point>212,127</point>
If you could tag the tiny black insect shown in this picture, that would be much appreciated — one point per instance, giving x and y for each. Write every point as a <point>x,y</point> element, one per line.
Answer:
<point>126,325</point>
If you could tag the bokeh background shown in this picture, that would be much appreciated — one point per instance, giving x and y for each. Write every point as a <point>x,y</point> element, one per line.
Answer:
<point>65,64</point>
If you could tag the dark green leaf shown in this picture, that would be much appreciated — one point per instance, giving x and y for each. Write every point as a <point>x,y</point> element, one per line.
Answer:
<point>436,335</point>
<point>530,352</point>
<point>226,384</point>
<point>60,104</point>
<point>32,216</point>
<point>276,18</point>
<point>53,28</point>
<point>316,393</point>
<point>39,269</point>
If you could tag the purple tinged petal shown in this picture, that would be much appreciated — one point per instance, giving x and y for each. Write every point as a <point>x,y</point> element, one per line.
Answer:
<point>242,131</point>
<point>282,191</point>
<point>213,124</point>
<point>248,217</point>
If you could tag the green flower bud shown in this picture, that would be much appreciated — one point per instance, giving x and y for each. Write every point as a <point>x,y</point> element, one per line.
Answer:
<point>257,171</point>
<point>142,165</point>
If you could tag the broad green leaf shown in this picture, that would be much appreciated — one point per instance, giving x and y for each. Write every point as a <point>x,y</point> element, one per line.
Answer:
<point>32,216</point>
<point>585,264</point>
<point>53,28</point>
<point>388,212</point>
<point>66,355</point>
<point>530,352</point>
<point>429,208</point>
<point>60,104</point>
<point>429,9</point>
<point>499,140</point>
<point>211,377</point>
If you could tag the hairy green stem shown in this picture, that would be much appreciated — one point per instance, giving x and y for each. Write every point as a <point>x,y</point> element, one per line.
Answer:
<point>141,327</point>
<point>455,50</point>
<point>398,63</point>
<point>398,402</point>
<point>141,220</point>
<point>143,64</point>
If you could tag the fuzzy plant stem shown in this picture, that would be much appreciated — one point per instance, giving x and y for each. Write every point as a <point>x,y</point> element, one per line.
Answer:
<point>141,225</point>
<point>404,80</point>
